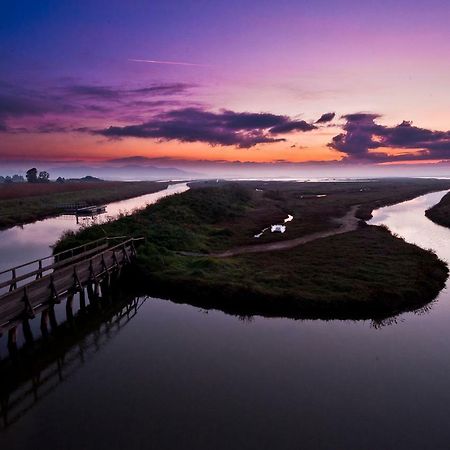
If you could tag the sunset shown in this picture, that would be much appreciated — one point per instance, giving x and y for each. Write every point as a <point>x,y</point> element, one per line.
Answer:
<point>244,81</point>
<point>224,224</point>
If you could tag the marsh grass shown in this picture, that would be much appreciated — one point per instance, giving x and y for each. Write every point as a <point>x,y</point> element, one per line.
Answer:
<point>19,205</point>
<point>367,273</point>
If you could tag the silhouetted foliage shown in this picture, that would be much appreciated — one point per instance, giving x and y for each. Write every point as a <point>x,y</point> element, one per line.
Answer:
<point>32,175</point>
<point>44,177</point>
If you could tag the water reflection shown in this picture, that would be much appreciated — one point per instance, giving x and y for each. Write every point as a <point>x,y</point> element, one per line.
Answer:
<point>32,241</point>
<point>212,381</point>
<point>35,370</point>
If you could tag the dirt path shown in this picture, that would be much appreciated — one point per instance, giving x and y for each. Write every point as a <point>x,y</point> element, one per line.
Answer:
<point>347,223</point>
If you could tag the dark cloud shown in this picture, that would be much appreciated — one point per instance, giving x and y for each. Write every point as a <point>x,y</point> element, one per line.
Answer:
<point>292,125</point>
<point>99,92</point>
<point>78,102</point>
<point>327,117</point>
<point>119,93</point>
<point>362,136</point>
<point>223,128</point>
<point>17,106</point>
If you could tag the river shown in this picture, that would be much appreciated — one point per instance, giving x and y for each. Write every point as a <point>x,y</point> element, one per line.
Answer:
<point>32,241</point>
<point>181,377</point>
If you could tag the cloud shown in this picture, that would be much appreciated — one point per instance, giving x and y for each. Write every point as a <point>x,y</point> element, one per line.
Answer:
<point>241,129</point>
<point>325,118</point>
<point>362,136</point>
<point>119,93</point>
<point>292,125</point>
<point>26,108</point>
<point>170,63</point>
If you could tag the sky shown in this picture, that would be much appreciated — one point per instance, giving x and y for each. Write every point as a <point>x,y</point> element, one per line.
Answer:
<point>315,82</point>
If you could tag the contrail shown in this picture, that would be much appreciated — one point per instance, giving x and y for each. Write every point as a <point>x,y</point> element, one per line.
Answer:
<point>174,63</point>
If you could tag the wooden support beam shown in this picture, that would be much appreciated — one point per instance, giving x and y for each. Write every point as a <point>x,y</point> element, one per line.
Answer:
<point>52,318</point>
<point>69,308</point>
<point>13,284</point>
<point>27,333</point>
<point>12,340</point>
<point>44,323</point>
<point>82,299</point>
<point>28,311</point>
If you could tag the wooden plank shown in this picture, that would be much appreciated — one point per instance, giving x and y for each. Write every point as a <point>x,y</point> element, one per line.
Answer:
<point>40,292</point>
<point>53,266</point>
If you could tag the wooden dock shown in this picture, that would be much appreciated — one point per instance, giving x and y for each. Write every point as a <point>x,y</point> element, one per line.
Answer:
<point>45,282</point>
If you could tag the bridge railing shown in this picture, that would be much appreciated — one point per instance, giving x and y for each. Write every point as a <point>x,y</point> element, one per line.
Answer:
<point>39,267</point>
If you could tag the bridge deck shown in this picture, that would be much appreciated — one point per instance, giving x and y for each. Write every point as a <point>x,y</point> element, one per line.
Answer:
<point>65,276</point>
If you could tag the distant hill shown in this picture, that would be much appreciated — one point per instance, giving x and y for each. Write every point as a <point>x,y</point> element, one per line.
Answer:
<point>87,179</point>
<point>127,171</point>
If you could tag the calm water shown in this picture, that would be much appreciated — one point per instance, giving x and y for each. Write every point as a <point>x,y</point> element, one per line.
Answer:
<point>178,377</point>
<point>32,241</point>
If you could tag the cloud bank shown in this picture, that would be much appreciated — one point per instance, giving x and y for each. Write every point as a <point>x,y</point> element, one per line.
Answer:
<point>241,129</point>
<point>362,136</point>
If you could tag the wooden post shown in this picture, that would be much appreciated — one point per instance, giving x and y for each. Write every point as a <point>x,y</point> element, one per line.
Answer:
<point>44,323</point>
<point>27,333</point>
<point>12,340</point>
<point>52,317</point>
<point>28,311</point>
<point>13,284</point>
<point>39,274</point>
<point>82,299</point>
<point>55,296</point>
<point>69,310</point>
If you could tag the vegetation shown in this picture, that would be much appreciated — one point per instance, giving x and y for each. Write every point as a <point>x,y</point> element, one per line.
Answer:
<point>440,213</point>
<point>367,273</point>
<point>24,202</point>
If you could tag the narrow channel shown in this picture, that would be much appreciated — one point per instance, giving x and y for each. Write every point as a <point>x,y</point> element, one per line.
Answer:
<point>31,241</point>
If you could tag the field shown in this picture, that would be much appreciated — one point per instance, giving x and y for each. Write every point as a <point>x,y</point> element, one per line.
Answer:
<point>313,205</point>
<point>366,273</point>
<point>25,202</point>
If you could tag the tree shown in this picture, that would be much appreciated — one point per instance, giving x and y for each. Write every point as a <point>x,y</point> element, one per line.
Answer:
<point>32,175</point>
<point>17,178</point>
<point>44,177</point>
<point>60,180</point>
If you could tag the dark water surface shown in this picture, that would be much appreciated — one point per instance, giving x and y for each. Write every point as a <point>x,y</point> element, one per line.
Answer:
<point>176,377</point>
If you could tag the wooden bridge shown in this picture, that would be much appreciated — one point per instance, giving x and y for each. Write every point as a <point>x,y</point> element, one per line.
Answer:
<point>35,287</point>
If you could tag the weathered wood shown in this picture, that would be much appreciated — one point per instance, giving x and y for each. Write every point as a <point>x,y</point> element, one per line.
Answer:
<point>41,293</point>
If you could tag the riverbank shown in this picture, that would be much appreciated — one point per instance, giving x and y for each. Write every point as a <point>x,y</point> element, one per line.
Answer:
<point>26,203</point>
<point>440,213</point>
<point>366,273</point>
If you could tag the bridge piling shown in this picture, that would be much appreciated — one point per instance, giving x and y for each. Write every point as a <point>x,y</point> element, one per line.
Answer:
<point>44,323</point>
<point>27,333</point>
<point>37,286</point>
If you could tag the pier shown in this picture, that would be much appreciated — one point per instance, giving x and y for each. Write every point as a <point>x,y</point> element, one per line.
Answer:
<point>37,286</point>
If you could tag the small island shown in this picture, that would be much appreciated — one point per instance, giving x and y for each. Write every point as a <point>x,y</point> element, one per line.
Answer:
<point>440,213</point>
<point>205,247</point>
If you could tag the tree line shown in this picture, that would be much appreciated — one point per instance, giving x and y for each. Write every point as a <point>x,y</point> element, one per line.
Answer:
<point>32,176</point>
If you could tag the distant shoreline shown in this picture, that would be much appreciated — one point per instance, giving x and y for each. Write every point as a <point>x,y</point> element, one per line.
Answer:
<point>22,203</point>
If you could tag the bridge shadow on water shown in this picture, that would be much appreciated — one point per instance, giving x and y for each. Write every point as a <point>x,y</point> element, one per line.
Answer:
<point>41,361</point>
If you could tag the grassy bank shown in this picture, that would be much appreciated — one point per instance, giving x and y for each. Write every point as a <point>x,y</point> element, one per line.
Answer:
<point>440,213</point>
<point>24,203</point>
<point>367,273</point>
<point>314,205</point>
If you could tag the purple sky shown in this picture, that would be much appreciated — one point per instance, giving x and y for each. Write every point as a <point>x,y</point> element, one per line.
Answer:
<point>349,81</point>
